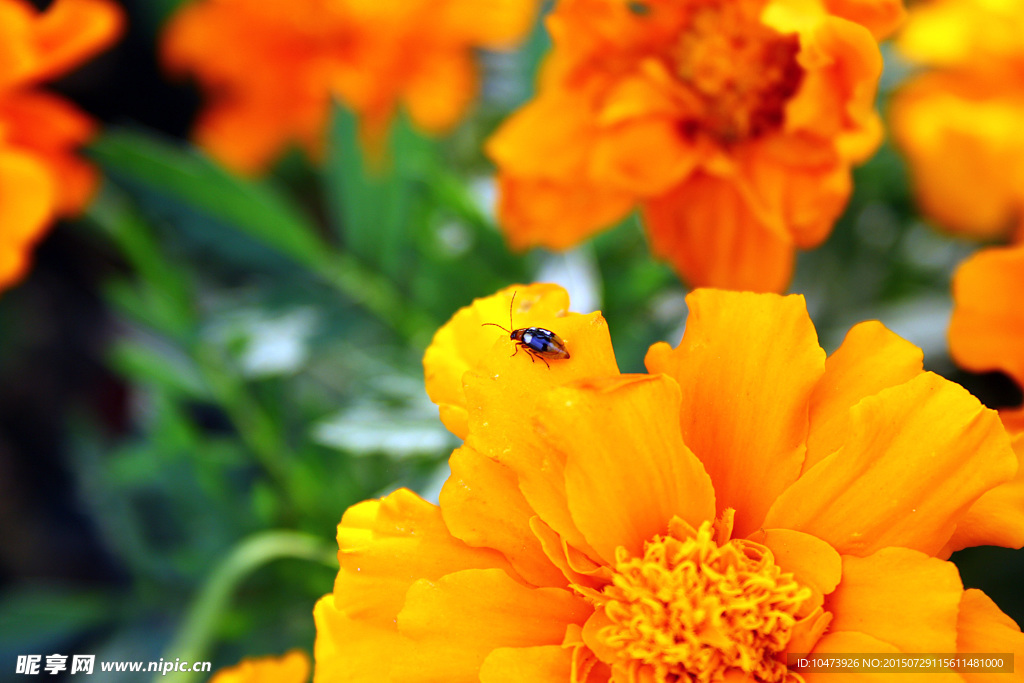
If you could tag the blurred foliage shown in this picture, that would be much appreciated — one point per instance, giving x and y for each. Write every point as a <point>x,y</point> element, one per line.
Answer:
<point>270,334</point>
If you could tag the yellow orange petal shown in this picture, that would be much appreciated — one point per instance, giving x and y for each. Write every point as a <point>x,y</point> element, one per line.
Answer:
<point>882,17</point>
<point>71,31</point>
<point>960,135</point>
<point>482,505</point>
<point>51,129</point>
<point>577,567</point>
<point>543,664</point>
<point>457,621</point>
<point>987,326</point>
<point>352,650</point>
<point>952,33</point>
<point>870,359</point>
<point>627,471</point>
<point>557,214</point>
<point>546,139</point>
<point>842,65</point>
<point>997,518</point>
<point>17,52</point>
<point>645,157</point>
<point>796,187</point>
<point>503,395</point>
<point>712,237</point>
<point>387,545</point>
<point>747,365</point>
<point>918,455</point>
<point>27,203</point>
<point>982,627</point>
<point>901,597</point>
<point>440,89</point>
<point>808,631</point>
<point>498,24</point>
<point>292,667</point>
<point>243,135</point>
<point>813,562</point>
<point>463,342</point>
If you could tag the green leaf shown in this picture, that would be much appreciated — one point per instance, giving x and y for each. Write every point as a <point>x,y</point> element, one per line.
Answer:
<point>192,179</point>
<point>42,619</point>
<point>373,202</point>
<point>170,371</point>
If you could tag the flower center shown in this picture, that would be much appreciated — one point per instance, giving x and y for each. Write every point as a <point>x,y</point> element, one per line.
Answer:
<point>690,610</point>
<point>740,72</point>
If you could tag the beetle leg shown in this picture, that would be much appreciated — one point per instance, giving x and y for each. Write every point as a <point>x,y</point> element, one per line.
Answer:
<point>518,346</point>
<point>534,354</point>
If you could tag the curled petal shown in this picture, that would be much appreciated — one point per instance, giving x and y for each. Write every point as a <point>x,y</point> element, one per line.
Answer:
<point>997,518</point>
<point>870,359</point>
<point>387,545</point>
<point>483,506</point>
<point>919,454</point>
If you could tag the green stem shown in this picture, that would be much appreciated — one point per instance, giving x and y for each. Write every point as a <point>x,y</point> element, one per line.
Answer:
<point>193,641</point>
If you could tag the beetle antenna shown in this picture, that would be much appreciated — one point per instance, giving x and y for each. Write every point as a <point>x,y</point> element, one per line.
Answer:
<point>511,304</point>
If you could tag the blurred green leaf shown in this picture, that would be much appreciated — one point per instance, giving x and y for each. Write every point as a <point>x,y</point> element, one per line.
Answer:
<point>145,365</point>
<point>191,178</point>
<point>371,197</point>
<point>39,619</point>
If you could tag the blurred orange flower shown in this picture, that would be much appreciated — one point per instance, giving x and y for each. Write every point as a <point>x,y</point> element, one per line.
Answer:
<point>732,125</point>
<point>293,667</point>
<point>987,328</point>
<point>959,124</point>
<point>271,67</point>
<point>747,499</point>
<point>40,175</point>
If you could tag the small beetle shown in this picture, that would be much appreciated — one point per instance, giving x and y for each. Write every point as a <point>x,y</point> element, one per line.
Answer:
<point>538,342</point>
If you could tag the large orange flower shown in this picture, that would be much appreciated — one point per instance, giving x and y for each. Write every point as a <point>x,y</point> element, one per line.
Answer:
<point>747,499</point>
<point>959,125</point>
<point>292,667</point>
<point>987,328</point>
<point>40,175</point>
<point>271,67</point>
<point>731,124</point>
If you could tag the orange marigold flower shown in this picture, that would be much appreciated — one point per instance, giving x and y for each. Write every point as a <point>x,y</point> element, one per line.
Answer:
<point>271,67</point>
<point>747,499</point>
<point>959,125</point>
<point>731,124</point>
<point>292,667</point>
<point>40,175</point>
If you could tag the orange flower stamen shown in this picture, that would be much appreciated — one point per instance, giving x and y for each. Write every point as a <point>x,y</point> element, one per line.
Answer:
<point>741,72</point>
<point>691,609</point>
